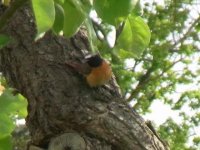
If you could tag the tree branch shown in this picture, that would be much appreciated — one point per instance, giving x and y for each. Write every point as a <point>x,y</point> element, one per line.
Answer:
<point>181,40</point>
<point>144,79</point>
<point>10,11</point>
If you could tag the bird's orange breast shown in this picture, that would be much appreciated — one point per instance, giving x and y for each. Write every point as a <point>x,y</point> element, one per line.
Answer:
<point>99,75</point>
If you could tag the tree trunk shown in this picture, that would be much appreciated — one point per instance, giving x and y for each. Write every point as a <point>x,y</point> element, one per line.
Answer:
<point>63,111</point>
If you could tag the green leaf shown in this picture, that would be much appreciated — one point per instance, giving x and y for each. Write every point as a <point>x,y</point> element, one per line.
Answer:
<point>6,143</point>
<point>44,14</point>
<point>6,100</point>
<point>196,140</point>
<point>138,10</point>
<point>59,1</point>
<point>21,106</point>
<point>12,105</point>
<point>135,36</point>
<point>3,40</point>
<point>6,125</point>
<point>9,103</point>
<point>125,54</point>
<point>87,4</point>
<point>114,11</point>
<point>73,19</point>
<point>59,19</point>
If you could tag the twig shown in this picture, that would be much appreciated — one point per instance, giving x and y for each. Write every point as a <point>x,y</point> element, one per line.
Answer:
<point>181,40</point>
<point>142,81</point>
<point>147,77</point>
<point>97,27</point>
<point>119,30</point>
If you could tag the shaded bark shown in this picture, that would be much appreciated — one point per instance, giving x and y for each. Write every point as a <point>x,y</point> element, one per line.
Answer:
<point>60,103</point>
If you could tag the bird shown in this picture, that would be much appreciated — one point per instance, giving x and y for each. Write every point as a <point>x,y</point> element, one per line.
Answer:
<point>96,70</point>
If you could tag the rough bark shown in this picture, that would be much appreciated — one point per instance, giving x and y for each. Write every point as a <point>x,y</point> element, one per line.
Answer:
<point>60,103</point>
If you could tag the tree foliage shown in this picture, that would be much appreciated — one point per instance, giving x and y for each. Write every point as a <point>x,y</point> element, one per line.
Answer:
<point>11,108</point>
<point>160,41</point>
